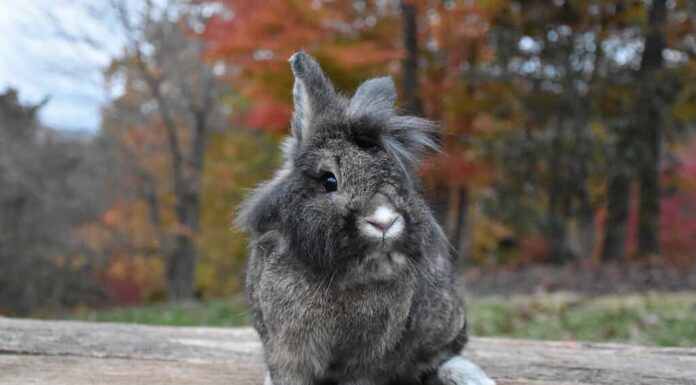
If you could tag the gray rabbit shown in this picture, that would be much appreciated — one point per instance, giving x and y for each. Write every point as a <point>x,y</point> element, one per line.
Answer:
<point>350,280</point>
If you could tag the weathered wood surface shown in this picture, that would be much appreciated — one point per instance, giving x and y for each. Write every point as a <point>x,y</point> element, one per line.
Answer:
<point>80,353</point>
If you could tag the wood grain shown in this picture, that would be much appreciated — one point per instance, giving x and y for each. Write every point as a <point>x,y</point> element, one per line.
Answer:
<point>81,353</point>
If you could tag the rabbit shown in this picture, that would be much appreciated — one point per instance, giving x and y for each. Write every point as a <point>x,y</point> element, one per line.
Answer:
<point>349,279</point>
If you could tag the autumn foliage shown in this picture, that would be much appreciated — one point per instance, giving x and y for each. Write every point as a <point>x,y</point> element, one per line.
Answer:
<point>523,175</point>
<point>555,117</point>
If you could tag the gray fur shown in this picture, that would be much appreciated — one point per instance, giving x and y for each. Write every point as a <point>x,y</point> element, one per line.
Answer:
<point>331,304</point>
<point>373,96</point>
<point>404,137</point>
<point>312,93</point>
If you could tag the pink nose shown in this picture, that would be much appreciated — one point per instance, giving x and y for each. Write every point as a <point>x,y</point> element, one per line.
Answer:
<point>382,222</point>
<point>382,225</point>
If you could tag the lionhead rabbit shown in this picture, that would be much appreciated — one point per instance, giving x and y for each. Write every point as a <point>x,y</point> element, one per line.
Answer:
<point>350,280</point>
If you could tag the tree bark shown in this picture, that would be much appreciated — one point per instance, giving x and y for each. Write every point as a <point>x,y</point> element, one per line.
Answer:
<point>457,223</point>
<point>181,268</point>
<point>410,63</point>
<point>618,191</point>
<point>649,124</point>
<point>558,209</point>
<point>586,224</point>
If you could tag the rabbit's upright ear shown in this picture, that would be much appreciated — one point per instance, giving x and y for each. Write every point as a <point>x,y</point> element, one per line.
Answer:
<point>404,137</point>
<point>374,96</point>
<point>312,94</point>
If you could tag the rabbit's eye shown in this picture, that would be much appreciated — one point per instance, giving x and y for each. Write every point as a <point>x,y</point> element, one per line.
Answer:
<point>330,182</point>
<point>366,142</point>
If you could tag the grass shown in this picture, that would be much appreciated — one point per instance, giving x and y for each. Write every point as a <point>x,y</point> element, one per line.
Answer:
<point>229,312</point>
<point>660,319</point>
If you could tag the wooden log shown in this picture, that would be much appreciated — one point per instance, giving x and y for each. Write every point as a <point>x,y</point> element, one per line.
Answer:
<point>81,353</point>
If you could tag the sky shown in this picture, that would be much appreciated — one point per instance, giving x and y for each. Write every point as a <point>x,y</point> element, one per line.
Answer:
<point>40,59</point>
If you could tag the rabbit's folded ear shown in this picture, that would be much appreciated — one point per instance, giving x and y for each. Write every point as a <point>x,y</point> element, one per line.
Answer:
<point>312,94</point>
<point>373,96</point>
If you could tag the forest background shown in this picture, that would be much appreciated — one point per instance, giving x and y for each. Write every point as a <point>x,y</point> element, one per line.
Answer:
<point>568,137</point>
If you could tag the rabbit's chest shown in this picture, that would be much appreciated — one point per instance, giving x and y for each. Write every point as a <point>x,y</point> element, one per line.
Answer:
<point>322,326</point>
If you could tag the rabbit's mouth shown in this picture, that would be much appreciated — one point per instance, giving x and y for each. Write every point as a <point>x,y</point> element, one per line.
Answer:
<point>379,266</point>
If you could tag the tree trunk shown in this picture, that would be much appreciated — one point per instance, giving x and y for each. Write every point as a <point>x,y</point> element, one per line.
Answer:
<point>180,252</point>
<point>585,213</point>
<point>649,210</point>
<point>557,231</point>
<point>181,268</point>
<point>183,254</point>
<point>586,225</point>
<point>457,223</point>
<point>181,271</point>
<point>452,212</point>
<point>410,64</point>
<point>619,192</point>
<point>649,126</point>
<point>557,219</point>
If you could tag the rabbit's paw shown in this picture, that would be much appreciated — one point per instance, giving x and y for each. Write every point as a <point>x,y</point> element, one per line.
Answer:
<point>267,380</point>
<point>459,371</point>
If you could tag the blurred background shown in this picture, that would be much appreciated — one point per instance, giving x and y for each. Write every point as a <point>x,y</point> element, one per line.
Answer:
<point>131,129</point>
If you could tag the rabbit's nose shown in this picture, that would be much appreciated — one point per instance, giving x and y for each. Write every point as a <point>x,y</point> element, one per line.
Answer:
<point>384,226</point>
<point>384,222</point>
